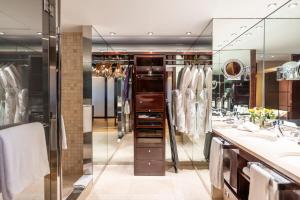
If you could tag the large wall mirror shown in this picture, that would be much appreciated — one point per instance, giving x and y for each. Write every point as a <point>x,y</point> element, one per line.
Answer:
<point>237,54</point>
<point>256,64</point>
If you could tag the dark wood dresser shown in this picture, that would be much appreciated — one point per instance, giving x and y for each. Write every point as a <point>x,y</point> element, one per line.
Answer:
<point>149,115</point>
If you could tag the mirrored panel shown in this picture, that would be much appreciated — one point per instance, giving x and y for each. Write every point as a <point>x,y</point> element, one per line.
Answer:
<point>282,56</point>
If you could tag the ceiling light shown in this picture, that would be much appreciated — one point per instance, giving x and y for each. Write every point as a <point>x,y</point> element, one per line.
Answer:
<point>2,33</point>
<point>293,5</point>
<point>233,34</point>
<point>243,27</point>
<point>150,33</point>
<point>112,33</point>
<point>188,33</point>
<point>259,27</point>
<point>272,56</point>
<point>272,5</point>
<point>39,33</point>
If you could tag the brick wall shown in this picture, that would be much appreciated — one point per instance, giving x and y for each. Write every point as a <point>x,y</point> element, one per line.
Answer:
<point>72,101</point>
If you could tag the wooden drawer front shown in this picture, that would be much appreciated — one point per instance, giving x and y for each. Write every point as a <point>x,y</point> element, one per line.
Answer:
<point>149,133</point>
<point>149,153</point>
<point>149,168</point>
<point>149,102</point>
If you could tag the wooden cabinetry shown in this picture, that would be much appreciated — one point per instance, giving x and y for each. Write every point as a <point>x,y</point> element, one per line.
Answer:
<point>149,115</point>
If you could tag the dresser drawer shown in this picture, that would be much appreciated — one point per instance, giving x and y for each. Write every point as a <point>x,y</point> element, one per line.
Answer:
<point>149,168</point>
<point>149,102</point>
<point>149,153</point>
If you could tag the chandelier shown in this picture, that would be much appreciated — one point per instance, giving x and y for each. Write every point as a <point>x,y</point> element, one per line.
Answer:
<point>108,70</point>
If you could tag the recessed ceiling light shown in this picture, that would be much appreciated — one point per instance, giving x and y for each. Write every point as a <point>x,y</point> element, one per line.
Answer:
<point>39,33</point>
<point>233,34</point>
<point>112,33</point>
<point>243,27</point>
<point>293,5</point>
<point>272,56</point>
<point>188,33</point>
<point>2,33</point>
<point>272,5</point>
<point>259,27</point>
<point>150,33</point>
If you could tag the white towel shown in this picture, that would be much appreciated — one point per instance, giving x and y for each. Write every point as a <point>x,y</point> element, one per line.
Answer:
<point>87,118</point>
<point>23,158</point>
<point>64,143</point>
<point>259,183</point>
<point>216,163</point>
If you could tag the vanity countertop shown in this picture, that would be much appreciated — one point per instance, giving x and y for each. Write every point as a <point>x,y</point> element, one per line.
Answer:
<point>281,154</point>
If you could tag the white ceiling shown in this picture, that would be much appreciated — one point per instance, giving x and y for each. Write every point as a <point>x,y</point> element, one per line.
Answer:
<point>131,20</point>
<point>19,18</point>
<point>163,17</point>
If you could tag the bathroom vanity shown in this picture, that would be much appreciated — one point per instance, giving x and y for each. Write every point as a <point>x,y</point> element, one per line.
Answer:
<point>279,155</point>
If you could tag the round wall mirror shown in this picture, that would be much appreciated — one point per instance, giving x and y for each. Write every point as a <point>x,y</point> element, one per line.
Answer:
<point>233,69</point>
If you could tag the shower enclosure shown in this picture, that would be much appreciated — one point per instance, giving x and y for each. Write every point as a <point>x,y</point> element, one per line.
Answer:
<point>28,80</point>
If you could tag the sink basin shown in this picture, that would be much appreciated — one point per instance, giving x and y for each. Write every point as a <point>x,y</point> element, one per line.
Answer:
<point>292,158</point>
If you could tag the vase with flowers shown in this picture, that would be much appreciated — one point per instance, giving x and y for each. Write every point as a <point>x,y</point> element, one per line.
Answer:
<point>261,115</point>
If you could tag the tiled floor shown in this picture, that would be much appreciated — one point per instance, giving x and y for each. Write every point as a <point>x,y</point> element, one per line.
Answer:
<point>117,182</point>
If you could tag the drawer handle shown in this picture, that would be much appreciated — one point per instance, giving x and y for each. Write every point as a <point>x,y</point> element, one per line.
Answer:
<point>141,102</point>
<point>149,163</point>
<point>149,151</point>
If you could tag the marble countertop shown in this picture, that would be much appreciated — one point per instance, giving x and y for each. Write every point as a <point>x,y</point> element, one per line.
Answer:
<point>280,153</point>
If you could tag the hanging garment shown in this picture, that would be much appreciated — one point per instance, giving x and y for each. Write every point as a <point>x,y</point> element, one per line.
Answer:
<point>179,111</point>
<point>190,112</point>
<point>201,114</point>
<point>190,96</point>
<point>179,99</point>
<point>179,78</point>
<point>208,89</point>
<point>126,108</point>
<point>194,79</point>
<point>201,105</point>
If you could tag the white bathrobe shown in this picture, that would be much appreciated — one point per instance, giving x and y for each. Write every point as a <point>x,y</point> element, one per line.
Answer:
<point>208,89</point>
<point>180,100</point>
<point>190,96</point>
<point>201,105</point>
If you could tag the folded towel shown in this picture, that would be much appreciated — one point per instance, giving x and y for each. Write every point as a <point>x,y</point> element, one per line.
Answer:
<point>23,158</point>
<point>260,187</point>
<point>249,126</point>
<point>87,118</point>
<point>216,163</point>
<point>83,182</point>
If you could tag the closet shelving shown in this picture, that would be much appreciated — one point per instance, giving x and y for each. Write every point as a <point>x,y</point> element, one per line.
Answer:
<point>149,110</point>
